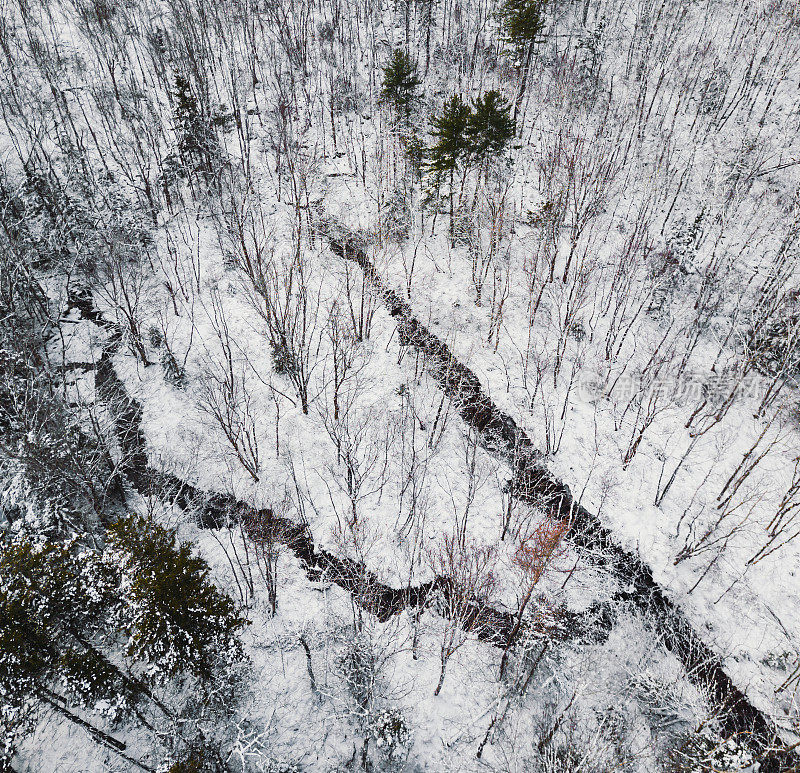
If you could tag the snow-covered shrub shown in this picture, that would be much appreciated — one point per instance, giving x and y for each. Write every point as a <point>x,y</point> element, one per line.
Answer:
<point>683,240</point>
<point>780,661</point>
<point>345,97</point>
<point>391,733</point>
<point>173,372</point>
<point>396,217</point>
<point>465,229</point>
<point>669,268</point>
<point>586,79</point>
<point>282,359</point>
<point>777,341</point>
<point>565,755</point>
<point>661,699</point>
<point>706,752</point>
<point>359,667</point>
<point>223,117</point>
<point>197,761</point>
<point>577,330</point>
<point>544,215</point>
<point>43,446</point>
<point>614,727</point>
<point>362,666</point>
<point>198,144</point>
<point>155,337</point>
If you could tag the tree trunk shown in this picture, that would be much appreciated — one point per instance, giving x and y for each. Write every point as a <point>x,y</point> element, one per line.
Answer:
<point>452,231</point>
<point>365,755</point>
<point>523,85</point>
<point>309,665</point>
<point>441,677</point>
<point>100,737</point>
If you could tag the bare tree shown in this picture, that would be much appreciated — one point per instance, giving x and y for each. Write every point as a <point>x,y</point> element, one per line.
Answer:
<point>225,395</point>
<point>535,554</point>
<point>284,292</point>
<point>783,527</point>
<point>265,529</point>
<point>364,439</point>
<point>468,583</point>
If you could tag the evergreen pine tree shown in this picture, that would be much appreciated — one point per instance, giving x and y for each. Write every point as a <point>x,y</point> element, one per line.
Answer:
<point>450,130</point>
<point>67,597</point>
<point>452,144</point>
<point>175,617</point>
<point>50,609</point>
<point>26,655</point>
<point>63,610</point>
<point>490,126</point>
<point>523,22</point>
<point>400,82</point>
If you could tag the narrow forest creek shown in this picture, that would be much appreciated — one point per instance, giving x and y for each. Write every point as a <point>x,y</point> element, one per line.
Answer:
<point>532,483</point>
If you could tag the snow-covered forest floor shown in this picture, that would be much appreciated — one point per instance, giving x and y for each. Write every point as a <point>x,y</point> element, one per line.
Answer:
<point>595,205</point>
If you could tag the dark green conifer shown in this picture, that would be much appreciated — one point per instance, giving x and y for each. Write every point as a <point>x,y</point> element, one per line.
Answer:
<point>64,609</point>
<point>400,82</point>
<point>197,141</point>
<point>52,605</point>
<point>523,20</point>
<point>452,144</point>
<point>450,130</point>
<point>175,617</point>
<point>490,127</point>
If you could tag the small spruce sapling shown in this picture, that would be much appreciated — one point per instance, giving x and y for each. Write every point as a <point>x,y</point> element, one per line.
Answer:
<point>400,83</point>
<point>452,145</point>
<point>391,733</point>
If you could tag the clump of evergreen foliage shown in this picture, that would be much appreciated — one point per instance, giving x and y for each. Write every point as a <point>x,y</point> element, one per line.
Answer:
<point>469,135</point>
<point>400,82</point>
<point>197,141</point>
<point>68,610</point>
<point>523,21</point>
